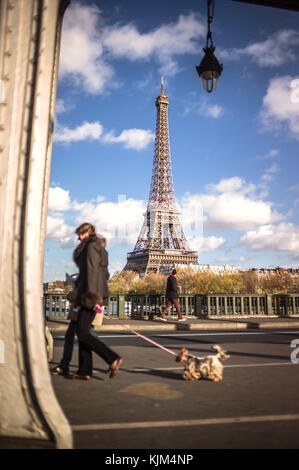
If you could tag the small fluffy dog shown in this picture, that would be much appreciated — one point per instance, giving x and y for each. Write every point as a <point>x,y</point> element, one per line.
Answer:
<point>208,367</point>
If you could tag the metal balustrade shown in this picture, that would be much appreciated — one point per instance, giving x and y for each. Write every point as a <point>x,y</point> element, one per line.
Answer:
<point>137,306</point>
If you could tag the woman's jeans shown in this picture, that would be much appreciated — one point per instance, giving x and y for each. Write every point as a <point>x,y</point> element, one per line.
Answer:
<point>89,342</point>
<point>68,346</point>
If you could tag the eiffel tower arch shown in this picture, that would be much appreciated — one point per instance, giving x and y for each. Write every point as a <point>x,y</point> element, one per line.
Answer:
<point>161,243</point>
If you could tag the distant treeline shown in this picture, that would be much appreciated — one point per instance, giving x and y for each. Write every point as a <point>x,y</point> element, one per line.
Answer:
<point>191,282</point>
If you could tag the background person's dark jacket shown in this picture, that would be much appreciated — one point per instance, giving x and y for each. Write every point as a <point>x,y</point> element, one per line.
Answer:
<point>91,258</point>
<point>172,290</point>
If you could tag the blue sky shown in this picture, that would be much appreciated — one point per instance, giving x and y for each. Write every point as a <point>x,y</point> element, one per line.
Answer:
<point>234,152</point>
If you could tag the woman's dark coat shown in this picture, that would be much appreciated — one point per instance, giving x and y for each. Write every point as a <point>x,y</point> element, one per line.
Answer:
<point>172,290</point>
<point>91,258</point>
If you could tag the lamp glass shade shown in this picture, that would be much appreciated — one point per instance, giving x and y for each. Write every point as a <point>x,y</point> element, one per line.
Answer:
<point>209,80</point>
<point>209,69</point>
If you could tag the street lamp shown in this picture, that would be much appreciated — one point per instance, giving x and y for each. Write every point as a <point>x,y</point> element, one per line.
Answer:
<point>209,69</point>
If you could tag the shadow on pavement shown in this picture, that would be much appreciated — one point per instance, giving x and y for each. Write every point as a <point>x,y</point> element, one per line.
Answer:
<point>159,373</point>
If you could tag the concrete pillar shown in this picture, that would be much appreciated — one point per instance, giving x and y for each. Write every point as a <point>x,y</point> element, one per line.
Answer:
<point>121,306</point>
<point>217,305</point>
<point>242,305</point>
<point>29,48</point>
<point>269,310</point>
<point>293,305</point>
<point>250,305</point>
<point>234,305</point>
<point>50,307</point>
<point>60,299</point>
<point>186,304</point>
<point>209,305</point>
<point>258,305</point>
<point>225,305</point>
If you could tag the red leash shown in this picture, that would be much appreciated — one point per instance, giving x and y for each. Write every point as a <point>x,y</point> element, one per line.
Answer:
<point>150,341</point>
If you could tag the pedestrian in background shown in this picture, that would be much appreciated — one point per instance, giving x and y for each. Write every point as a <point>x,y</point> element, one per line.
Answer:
<point>172,297</point>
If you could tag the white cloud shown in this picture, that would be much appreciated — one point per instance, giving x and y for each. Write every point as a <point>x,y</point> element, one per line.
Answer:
<point>232,185</point>
<point>268,175</point>
<point>272,153</point>
<point>279,111</point>
<point>205,244</point>
<point>82,56</point>
<point>59,199</point>
<point>231,204</point>
<point>86,131</point>
<point>281,237</point>
<point>88,45</point>
<point>237,211</point>
<point>61,106</point>
<point>205,108</point>
<point>118,221</point>
<point>58,230</point>
<point>267,178</point>
<point>162,43</point>
<point>136,139</point>
<point>215,111</point>
<point>294,187</point>
<point>276,50</point>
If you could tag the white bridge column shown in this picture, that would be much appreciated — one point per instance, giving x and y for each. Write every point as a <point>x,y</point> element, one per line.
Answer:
<point>29,47</point>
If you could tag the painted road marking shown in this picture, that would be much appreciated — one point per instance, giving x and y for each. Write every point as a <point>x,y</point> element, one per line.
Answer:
<point>119,336</point>
<point>203,334</point>
<point>184,422</point>
<point>232,366</point>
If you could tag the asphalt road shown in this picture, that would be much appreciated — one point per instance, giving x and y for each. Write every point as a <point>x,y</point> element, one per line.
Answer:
<point>148,405</point>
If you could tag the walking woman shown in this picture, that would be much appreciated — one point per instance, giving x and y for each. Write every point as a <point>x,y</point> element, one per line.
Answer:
<point>172,296</point>
<point>63,368</point>
<point>91,258</point>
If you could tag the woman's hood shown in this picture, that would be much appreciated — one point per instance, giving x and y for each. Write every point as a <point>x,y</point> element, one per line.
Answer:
<point>100,240</point>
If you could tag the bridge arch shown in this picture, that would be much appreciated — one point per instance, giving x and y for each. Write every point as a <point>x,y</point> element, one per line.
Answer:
<point>30,32</point>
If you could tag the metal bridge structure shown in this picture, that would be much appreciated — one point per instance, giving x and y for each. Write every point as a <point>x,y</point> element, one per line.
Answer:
<point>30,415</point>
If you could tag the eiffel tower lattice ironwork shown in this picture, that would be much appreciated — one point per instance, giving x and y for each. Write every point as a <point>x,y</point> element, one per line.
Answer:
<point>161,244</point>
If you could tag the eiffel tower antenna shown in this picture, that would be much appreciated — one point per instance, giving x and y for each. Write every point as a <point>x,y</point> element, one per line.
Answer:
<point>161,244</point>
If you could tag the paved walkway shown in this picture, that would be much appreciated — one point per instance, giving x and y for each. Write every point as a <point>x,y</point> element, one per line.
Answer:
<point>149,406</point>
<point>219,323</point>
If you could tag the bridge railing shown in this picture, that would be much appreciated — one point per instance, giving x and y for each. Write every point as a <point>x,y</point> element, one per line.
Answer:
<point>134,306</point>
<point>57,307</point>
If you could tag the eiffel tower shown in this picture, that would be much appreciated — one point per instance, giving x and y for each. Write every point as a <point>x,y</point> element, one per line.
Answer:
<point>161,244</point>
